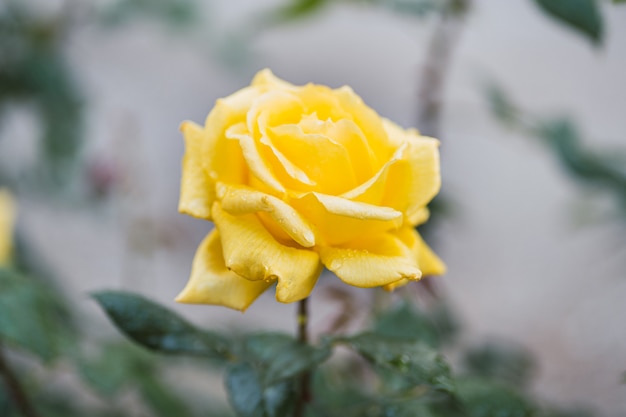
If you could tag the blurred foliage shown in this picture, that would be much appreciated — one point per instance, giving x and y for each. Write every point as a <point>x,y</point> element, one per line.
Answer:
<point>604,170</point>
<point>581,15</point>
<point>34,71</point>
<point>36,74</point>
<point>38,327</point>
<point>177,13</point>
<point>407,375</point>
<point>501,361</point>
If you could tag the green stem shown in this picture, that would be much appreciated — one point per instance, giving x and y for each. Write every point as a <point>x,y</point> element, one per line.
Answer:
<point>304,391</point>
<point>14,389</point>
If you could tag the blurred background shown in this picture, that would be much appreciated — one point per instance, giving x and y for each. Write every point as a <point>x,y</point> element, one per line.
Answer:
<point>529,110</point>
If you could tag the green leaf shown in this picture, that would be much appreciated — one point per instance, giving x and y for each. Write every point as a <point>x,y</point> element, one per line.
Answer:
<point>563,136</point>
<point>296,9</point>
<point>250,398</point>
<point>500,104</point>
<point>410,408</point>
<point>115,366</point>
<point>159,329</point>
<point>282,357</point>
<point>406,323</point>
<point>177,13</point>
<point>418,8</point>
<point>502,361</point>
<point>27,317</point>
<point>245,392</point>
<point>582,15</point>
<point>416,362</point>
<point>340,391</point>
<point>162,399</point>
<point>278,399</point>
<point>484,398</point>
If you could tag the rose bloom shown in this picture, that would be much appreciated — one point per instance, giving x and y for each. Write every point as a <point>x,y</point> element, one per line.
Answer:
<point>300,177</point>
<point>7,220</point>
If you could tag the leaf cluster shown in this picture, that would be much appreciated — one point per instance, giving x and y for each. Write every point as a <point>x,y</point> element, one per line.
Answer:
<point>37,326</point>
<point>34,71</point>
<point>582,16</point>
<point>603,170</point>
<point>395,368</point>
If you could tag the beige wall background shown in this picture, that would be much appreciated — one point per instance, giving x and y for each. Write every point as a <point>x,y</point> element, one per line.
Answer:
<point>520,263</point>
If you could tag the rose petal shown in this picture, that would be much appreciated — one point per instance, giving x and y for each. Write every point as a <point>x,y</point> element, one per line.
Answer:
<point>407,182</point>
<point>323,101</point>
<point>266,79</point>
<point>8,213</point>
<point>337,220</point>
<point>238,200</point>
<point>371,261</point>
<point>416,178</point>
<point>256,163</point>
<point>428,262</point>
<point>373,190</point>
<point>196,192</point>
<point>252,252</point>
<point>322,159</point>
<point>419,217</point>
<point>369,122</point>
<point>209,156</point>
<point>212,283</point>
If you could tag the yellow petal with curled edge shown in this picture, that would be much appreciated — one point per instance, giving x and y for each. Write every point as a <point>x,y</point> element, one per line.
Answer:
<point>256,163</point>
<point>210,156</point>
<point>196,192</point>
<point>338,220</point>
<point>237,199</point>
<point>7,222</point>
<point>369,122</point>
<point>266,79</point>
<point>414,180</point>
<point>371,261</point>
<point>252,252</point>
<point>428,262</point>
<point>212,283</point>
<point>419,216</point>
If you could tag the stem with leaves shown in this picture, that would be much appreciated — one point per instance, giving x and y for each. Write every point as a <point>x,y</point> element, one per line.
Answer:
<point>14,389</point>
<point>304,391</point>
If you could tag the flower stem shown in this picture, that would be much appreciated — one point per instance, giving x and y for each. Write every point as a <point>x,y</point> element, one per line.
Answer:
<point>304,389</point>
<point>14,389</point>
<point>303,321</point>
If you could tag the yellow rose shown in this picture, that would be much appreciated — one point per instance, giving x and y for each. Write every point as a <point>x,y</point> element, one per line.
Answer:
<point>7,220</point>
<point>300,177</point>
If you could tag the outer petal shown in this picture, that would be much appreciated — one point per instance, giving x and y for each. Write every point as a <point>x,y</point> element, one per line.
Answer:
<point>429,263</point>
<point>266,79</point>
<point>252,252</point>
<point>212,283</point>
<point>209,156</point>
<point>243,200</point>
<point>371,262</point>
<point>369,121</point>
<point>7,221</point>
<point>419,216</point>
<point>408,181</point>
<point>338,220</point>
<point>415,179</point>
<point>196,191</point>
